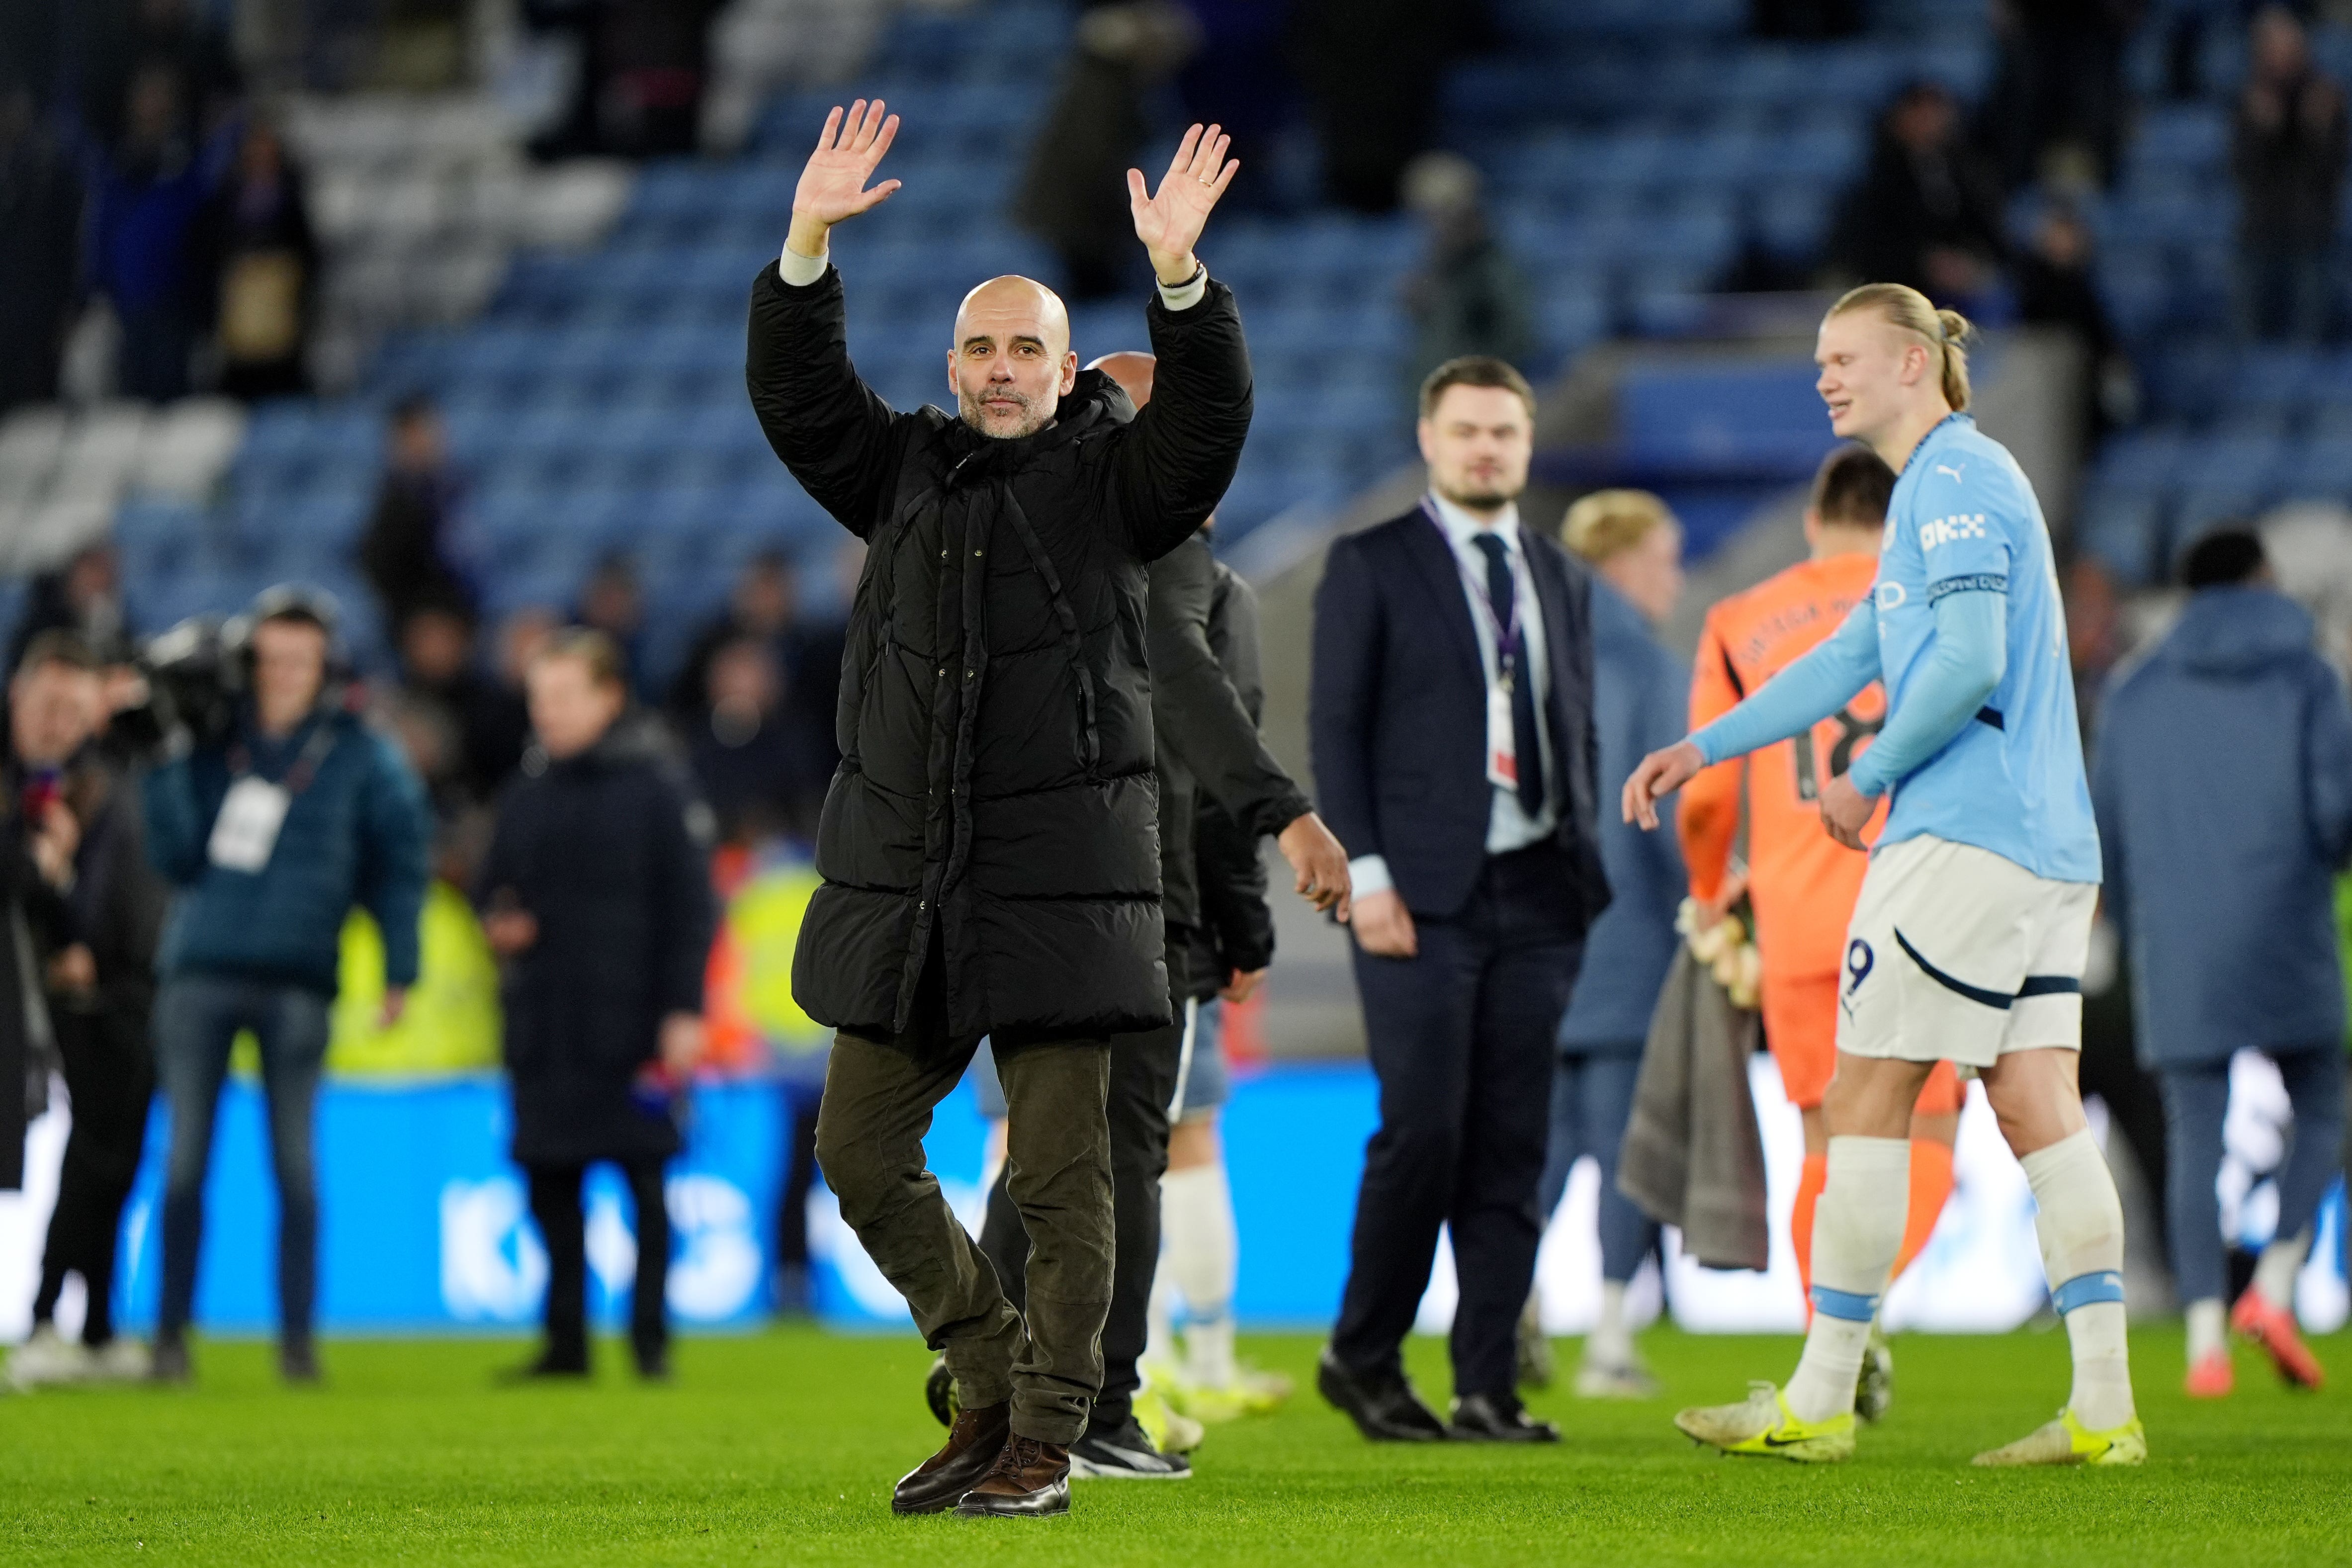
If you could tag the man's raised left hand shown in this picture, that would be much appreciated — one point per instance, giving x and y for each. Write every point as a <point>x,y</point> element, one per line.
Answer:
<point>1168,220</point>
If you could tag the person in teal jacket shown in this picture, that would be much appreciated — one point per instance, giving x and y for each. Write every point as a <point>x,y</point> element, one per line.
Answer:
<point>270,836</point>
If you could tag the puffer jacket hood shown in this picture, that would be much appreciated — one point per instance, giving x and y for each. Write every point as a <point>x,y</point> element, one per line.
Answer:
<point>2239,632</point>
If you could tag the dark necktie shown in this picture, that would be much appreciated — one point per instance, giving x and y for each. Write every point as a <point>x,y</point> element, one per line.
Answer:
<point>1502,596</point>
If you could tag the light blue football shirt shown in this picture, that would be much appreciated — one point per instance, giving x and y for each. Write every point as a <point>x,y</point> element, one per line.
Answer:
<point>1964,517</point>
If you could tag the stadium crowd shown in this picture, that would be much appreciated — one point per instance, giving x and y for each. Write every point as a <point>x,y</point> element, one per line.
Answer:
<point>1067,895</point>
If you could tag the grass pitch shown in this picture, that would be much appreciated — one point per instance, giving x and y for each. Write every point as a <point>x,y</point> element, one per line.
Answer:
<point>781,1448</point>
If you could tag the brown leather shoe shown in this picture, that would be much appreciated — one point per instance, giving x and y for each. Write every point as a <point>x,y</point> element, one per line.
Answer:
<point>1029,1480</point>
<point>973,1444</point>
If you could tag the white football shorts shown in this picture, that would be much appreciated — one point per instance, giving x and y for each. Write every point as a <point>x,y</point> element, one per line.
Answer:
<point>1958,954</point>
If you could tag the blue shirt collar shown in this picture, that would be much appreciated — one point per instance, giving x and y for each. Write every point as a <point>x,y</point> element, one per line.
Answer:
<point>1950,423</point>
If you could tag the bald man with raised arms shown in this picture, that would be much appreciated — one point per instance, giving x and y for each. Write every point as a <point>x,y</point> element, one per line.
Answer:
<point>988,845</point>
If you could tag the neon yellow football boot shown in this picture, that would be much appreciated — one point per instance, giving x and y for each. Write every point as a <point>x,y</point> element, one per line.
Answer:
<point>2067,1441</point>
<point>1763,1427</point>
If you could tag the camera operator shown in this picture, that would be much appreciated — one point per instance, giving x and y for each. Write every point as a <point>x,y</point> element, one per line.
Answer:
<point>272,833</point>
<point>98,979</point>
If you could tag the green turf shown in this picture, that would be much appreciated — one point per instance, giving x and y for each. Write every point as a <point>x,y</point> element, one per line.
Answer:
<point>781,1448</point>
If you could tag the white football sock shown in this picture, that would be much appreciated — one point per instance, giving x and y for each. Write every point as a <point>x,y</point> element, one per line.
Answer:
<point>1196,1216</point>
<point>1857,1231</point>
<point>2079,1222</point>
<point>2208,1323</point>
<point>2281,1261</point>
<point>1609,1344</point>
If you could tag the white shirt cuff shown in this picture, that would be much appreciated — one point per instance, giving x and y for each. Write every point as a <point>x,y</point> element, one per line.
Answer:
<point>1186,296</point>
<point>1369,874</point>
<point>799,270</point>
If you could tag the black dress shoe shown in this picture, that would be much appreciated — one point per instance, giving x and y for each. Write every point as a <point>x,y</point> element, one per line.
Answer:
<point>1030,1479</point>
<point>1498,1419</point>
<point>973,1444</point>
<point>1383,1406</point>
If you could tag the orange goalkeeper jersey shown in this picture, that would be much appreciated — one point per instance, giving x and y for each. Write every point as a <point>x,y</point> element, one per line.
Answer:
<point>1801,881</point>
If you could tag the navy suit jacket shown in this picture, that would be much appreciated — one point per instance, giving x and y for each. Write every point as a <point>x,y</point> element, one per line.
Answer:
<point>1397,713</point>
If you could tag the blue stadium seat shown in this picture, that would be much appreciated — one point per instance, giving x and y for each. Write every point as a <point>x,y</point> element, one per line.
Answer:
<point>1722,414</point>
<point>2318,469</point>
<point>2124,531</point>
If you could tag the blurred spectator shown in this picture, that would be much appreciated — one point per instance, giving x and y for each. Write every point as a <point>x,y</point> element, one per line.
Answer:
<point>486,724</point>
<point>1468,296</point>
<point>271,836</point>
<point>409,550</point>
<point>127,38</point>
<point>763,605</point>
<point>83,596</point>
<point>2055,288</point>
<point>1926,214</point>
<point>1640,697</point>
<point>99,989</point>
<point>52,707</point>
<point>1240,79</point>
<point>1805,18</point>
<point>1371,68</point>
<point>259,265</point>
<point>2288,152</point>
<point>2061,81</point>
<point>40,227</point>
<point>597,898</point>
<point>148,201</point>
<point>643,68</point>
<point>614,602</point>
<point>520,637</point>
<point>2231,927</point>
<point>1073,193</point>
<point>760,770</point>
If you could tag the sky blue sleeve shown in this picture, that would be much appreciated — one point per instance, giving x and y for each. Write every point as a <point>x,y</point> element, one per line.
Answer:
<point>1801,696</point>
<point>1963,667</point>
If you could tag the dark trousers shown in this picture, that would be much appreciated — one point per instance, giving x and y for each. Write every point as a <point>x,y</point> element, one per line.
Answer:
<point>801,1108</point>
<point>1461,1039</point>
<point>196,1019</point>
<point>555,1206</point>
<point>1047,1359</point>
<point>1143,1081</point>
<point>1591,1101</point>
<point>2196,1100</point>
<point>110,1074</point>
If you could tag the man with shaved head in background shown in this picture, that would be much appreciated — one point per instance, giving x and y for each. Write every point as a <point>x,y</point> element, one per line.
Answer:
<point>988,846</point>
<point>1206,746</point>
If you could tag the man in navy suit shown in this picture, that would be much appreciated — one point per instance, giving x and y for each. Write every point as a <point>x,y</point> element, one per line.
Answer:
<point>1451,720</point>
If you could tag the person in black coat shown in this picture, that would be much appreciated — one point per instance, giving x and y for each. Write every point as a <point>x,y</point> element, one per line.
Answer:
<point>1451,722</point>
<point>100,985</point>
<point>407,552</point>
<point>259,260</point>
<point>1206,749</point>
<point>1927,212</point>
<point>596,894</point>
<point>988,846</point>
<point>52,701</point>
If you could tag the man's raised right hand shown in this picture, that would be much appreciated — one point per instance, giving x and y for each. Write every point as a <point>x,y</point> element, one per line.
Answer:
<point>833,186</point>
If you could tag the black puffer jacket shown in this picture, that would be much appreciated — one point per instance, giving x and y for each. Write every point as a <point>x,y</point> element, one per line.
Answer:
<point>995,715</point>
<point>1236,928</point>
<point>1210,753</point>
<point>609,851</point>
